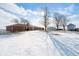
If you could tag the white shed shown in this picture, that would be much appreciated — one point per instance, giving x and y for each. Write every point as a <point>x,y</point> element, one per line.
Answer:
<point>71,27</point>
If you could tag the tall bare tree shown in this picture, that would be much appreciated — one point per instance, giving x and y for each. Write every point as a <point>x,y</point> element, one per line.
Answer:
<point>64,21</point>
<point>45,21</point>
<point>57,18</point>
<point>60,20</point>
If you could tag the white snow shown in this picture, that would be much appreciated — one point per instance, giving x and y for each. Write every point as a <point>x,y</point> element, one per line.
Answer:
<point>28,43</point>
<point>39,43</point>
<point>67,42</point>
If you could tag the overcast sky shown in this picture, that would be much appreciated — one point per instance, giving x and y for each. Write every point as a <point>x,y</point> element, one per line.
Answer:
<point>31,12</point>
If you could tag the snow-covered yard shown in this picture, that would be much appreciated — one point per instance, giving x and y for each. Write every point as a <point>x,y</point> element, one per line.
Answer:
<point>66,42</point>
<point>39,43</point>
<point>31,43</point>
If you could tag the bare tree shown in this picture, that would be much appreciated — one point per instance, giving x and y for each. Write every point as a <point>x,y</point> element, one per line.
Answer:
<point>60,20</point>
<point>57,18</point>
<point>24,21</point>
<point>64,21</point>
<point>45,21</point>
<point>15,21</point>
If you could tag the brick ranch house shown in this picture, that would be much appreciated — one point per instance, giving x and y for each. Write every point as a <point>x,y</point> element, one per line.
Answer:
<point>22,27</point>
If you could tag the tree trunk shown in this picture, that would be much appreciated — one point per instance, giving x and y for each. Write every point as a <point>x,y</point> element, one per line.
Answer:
<point>45,19</point>
<point>57,26</point>
<point>45,27</point>
<point>64,27</point>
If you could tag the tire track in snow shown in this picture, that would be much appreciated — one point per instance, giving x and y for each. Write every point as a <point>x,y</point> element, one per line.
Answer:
<point>62,48</point>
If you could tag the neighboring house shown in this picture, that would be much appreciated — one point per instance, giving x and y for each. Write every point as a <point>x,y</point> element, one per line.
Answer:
<point>71,27</point>
<point>22,27</point>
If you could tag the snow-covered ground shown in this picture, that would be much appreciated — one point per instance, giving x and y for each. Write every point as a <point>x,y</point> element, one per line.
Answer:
<point>67,43</point>
<point>39,43</point>
<point>28,43</point>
